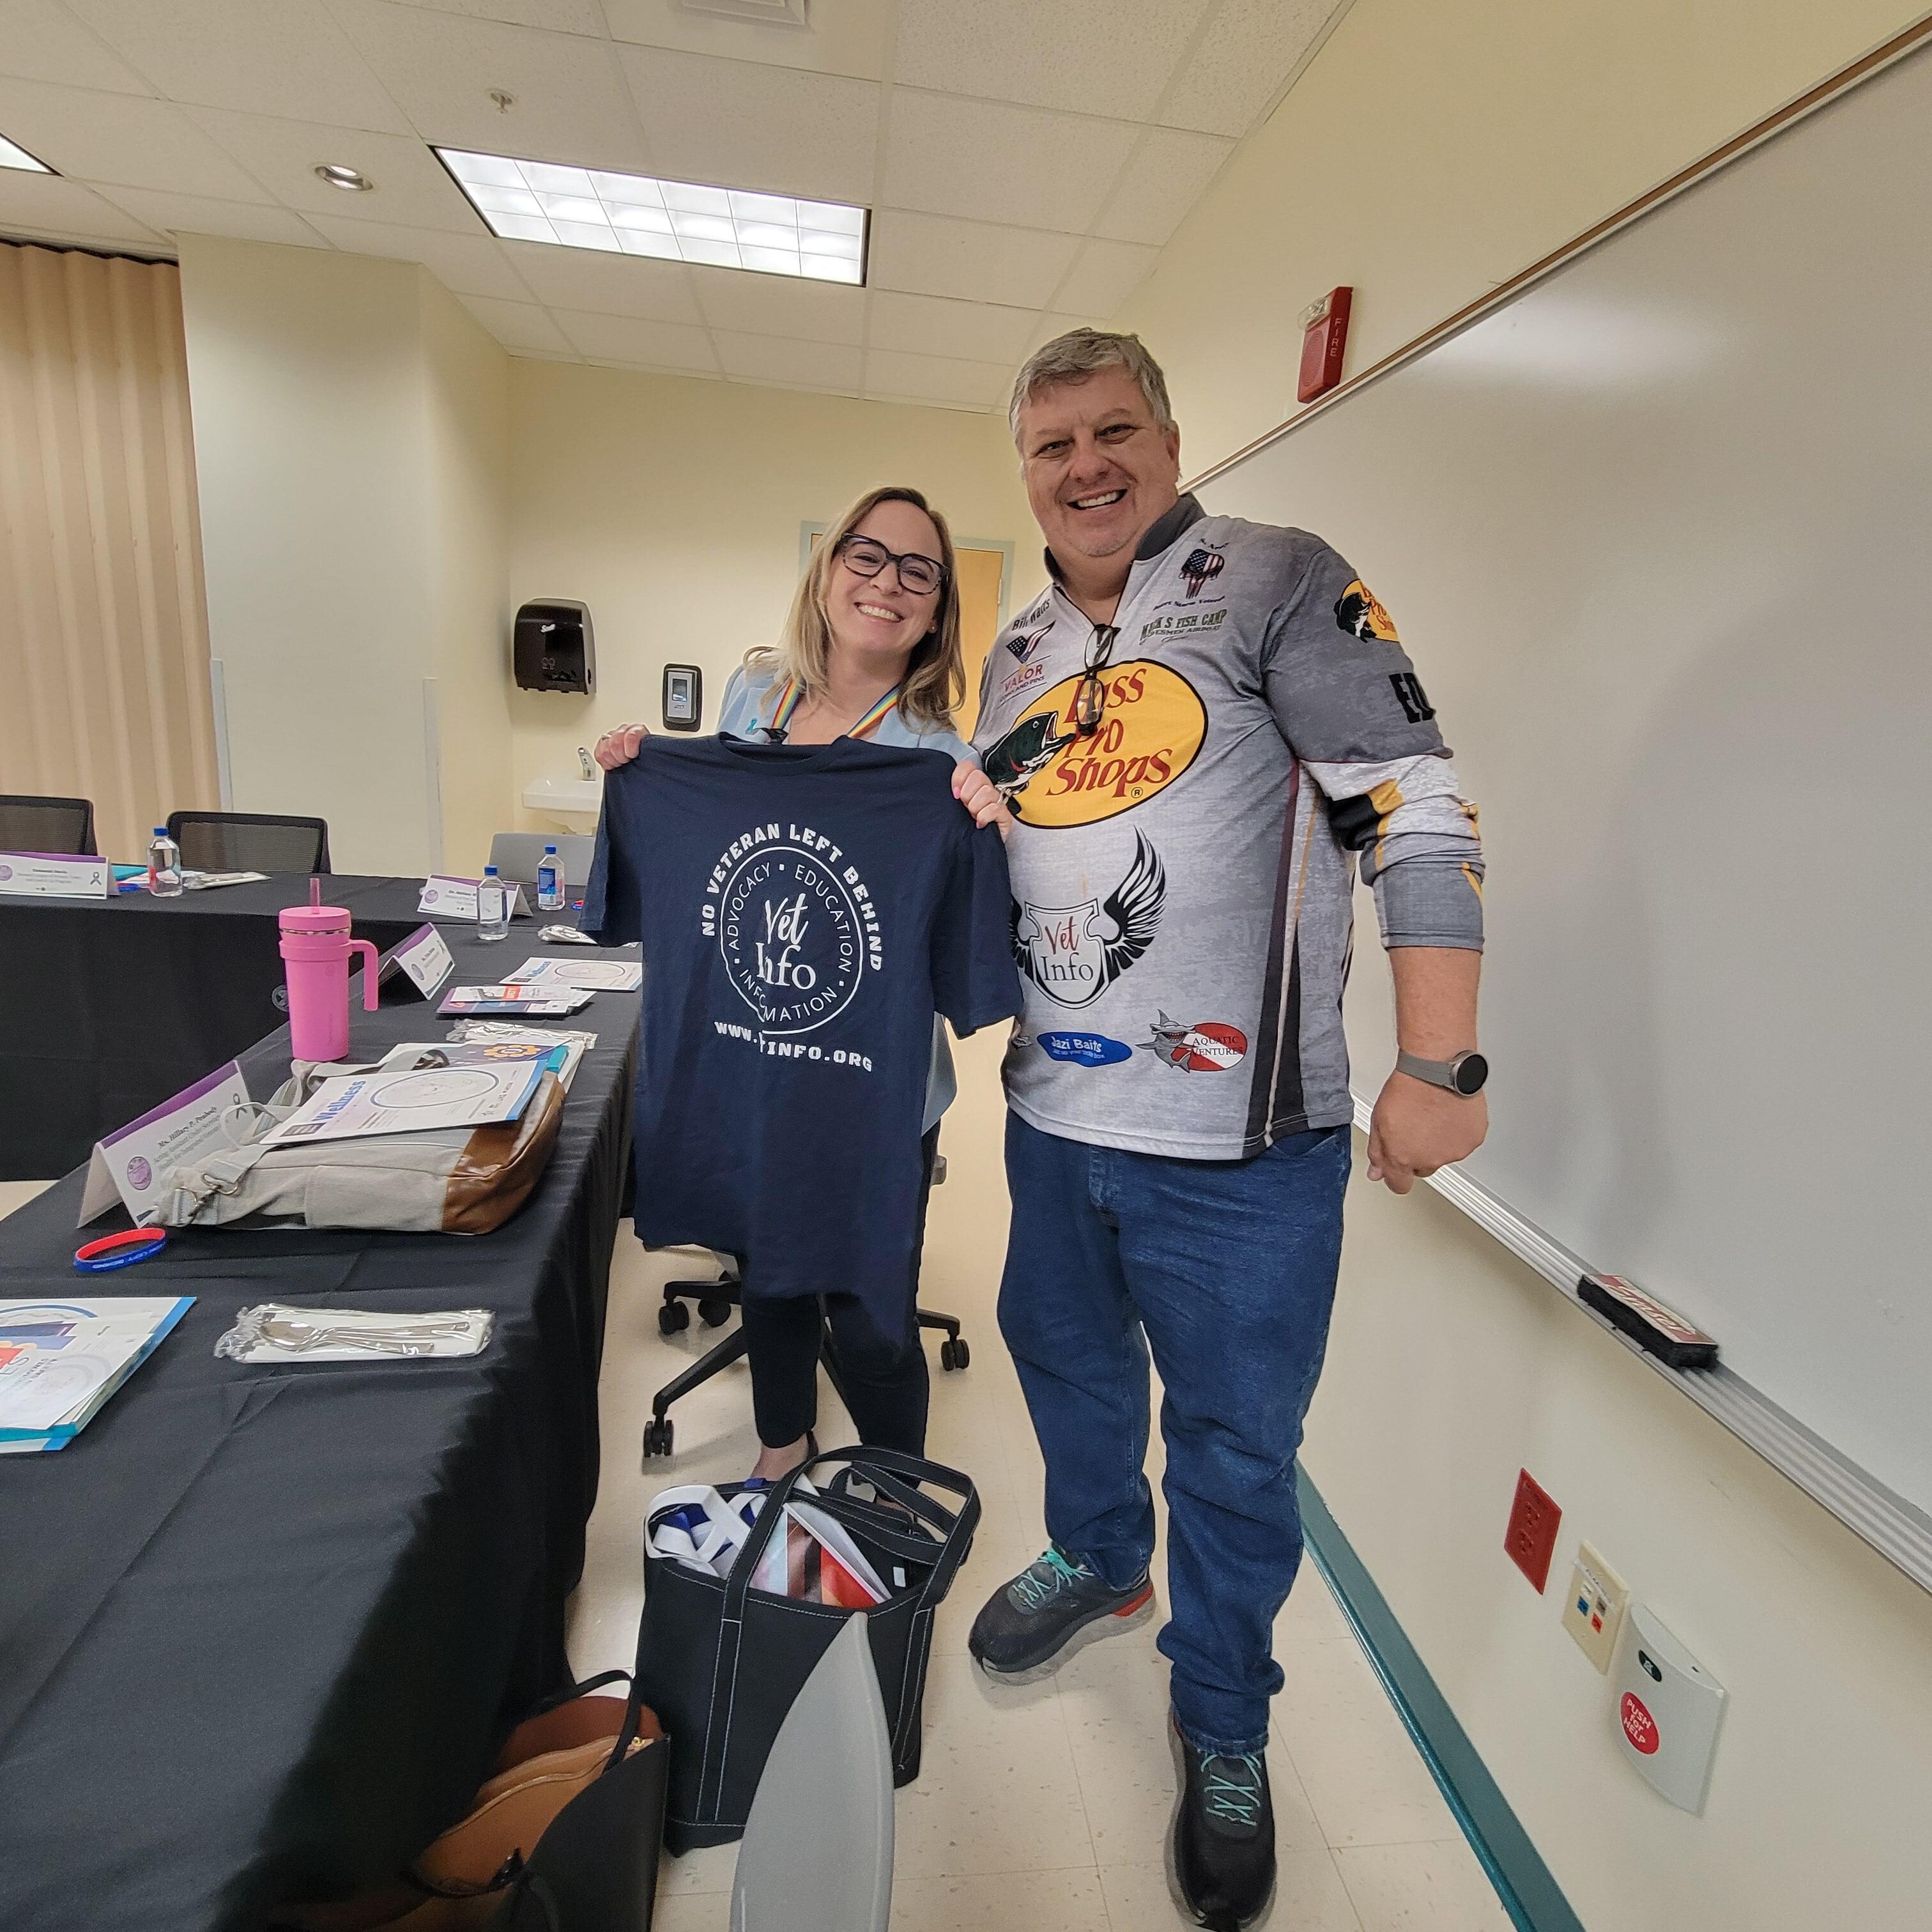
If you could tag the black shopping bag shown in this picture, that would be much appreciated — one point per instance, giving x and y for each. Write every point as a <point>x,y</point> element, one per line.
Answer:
<point>720,1662</point>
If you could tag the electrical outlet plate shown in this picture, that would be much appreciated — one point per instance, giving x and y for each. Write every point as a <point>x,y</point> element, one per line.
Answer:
<point>1593,1612</point>
<point>1530,1538</point>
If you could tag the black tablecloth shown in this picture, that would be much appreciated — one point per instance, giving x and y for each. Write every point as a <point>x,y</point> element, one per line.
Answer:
<point>262,1629</point>
<point>114,1005</point>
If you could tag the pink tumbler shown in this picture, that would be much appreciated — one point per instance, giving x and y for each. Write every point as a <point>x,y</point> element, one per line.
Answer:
<point>316,946</point>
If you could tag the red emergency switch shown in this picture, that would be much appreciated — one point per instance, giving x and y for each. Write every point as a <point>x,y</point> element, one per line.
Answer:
<point>1324,336</point>
<point>1531,1540</point>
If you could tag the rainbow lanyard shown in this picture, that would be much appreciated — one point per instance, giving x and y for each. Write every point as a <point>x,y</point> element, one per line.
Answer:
<point>791,695</point>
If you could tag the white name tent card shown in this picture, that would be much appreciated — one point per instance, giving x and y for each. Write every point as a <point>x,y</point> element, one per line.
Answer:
<point>55,875</point>
<point>450,898</point>
<point>424,958</point>
<point>133,1165</point>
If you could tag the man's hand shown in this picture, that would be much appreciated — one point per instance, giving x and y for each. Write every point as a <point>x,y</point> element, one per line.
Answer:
<point>620,746</point>
<point>980,797</point>
<point>1417,1128</point>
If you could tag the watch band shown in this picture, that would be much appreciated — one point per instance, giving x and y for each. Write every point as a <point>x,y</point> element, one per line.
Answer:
<point>1462,1073</point>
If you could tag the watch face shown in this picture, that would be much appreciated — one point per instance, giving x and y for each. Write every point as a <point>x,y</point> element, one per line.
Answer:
<point>1471,1070</point>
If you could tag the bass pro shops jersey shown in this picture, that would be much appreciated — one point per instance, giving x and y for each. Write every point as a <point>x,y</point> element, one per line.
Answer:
<point>1183,877</point>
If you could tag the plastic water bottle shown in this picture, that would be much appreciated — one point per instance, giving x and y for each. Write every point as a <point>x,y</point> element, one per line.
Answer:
<point>164,878</point>
<point>552,888</point>
<point>492,906</point>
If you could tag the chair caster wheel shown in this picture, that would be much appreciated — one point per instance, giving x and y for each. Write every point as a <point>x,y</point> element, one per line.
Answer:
<point>954,1354</point>
<point>673,1318</point>
<point>658,1436</point>
<point>714,1313</point>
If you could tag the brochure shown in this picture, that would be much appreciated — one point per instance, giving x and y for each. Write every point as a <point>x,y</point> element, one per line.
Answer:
<point>61,1361</point>
<point>552,1055</point>
<point>513,999</point>
<point>587,976</point>
<point>575,1045</point>
<point>403,1100</point>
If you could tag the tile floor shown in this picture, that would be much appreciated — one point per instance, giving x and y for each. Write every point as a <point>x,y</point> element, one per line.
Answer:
<point>1046,1806</point>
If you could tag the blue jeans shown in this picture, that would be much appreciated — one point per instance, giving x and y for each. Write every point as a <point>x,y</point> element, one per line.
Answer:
<point>1225,1269</point>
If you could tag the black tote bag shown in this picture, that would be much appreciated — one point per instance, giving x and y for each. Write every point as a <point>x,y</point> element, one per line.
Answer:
<point>720,1662</point>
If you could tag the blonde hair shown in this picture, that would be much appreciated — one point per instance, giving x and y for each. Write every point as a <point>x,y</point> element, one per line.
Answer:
<point>935,678</point>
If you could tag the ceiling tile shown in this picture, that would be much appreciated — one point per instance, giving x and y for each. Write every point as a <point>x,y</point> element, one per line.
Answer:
<point>570,101</point>
<point>467,265</point>
<point>847,37</point>
<point>263,56</point>
<point>412,187</point>
<point>974,260</point>
<point>937,379</point>
<point>518,325</point>
<point>44,206</point>
<point>1026,166</point>
<point>790,365</point>
<point>562,16</point>
<point>175,214</point>
<point>1057,322</point>
<point>755,305</point>
<point>1106,273</point>
<point>738,125</point>
<point>1166,177</point>
<point>1111,57</point>
<point>588,280</point>
<point>1234,75</point>
<point>43,41</point>
<point>931,325</point>
<point>119,138</point>
<point>627,338</point>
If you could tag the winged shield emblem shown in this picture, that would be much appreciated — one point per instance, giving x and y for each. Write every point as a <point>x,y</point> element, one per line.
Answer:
<point>1074,953</point>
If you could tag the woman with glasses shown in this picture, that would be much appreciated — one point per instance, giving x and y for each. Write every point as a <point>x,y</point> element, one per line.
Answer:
<point>870,649</point>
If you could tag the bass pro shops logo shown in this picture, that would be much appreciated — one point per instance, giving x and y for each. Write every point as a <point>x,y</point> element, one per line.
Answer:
<point>1150,732</point>
<point>795,924</point>
<point>1074,953</point>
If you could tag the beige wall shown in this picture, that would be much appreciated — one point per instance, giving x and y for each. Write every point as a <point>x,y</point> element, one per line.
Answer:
<point>1429,153</point>
<point>350,425</point>
<point>673,507</point>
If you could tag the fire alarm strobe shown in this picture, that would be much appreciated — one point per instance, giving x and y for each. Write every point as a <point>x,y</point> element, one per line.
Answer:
<point>1324,337</point>
<point>1669,1708</point>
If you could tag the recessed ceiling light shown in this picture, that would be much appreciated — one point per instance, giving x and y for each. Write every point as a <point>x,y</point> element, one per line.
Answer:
<point>674,221</point>
<point>11,156</point>
<point>346,179</point>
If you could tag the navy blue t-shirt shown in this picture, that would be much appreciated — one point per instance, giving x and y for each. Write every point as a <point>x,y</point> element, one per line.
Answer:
<point>804,910</point>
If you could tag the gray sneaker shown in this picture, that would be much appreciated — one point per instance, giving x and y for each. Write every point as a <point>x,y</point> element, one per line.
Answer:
<point>1054,1608</point>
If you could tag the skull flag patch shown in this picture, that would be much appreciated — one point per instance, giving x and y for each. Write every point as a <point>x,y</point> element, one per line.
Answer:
<point>1361,615</point>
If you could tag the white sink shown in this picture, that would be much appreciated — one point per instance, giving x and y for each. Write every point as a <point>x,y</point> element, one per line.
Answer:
<point>573,803</point>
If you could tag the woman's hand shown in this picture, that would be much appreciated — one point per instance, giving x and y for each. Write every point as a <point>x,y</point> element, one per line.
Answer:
<point>977,793</point>
<point>620,746</point>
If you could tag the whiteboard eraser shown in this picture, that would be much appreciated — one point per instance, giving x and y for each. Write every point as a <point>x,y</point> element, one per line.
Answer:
<point>1658,1331</point>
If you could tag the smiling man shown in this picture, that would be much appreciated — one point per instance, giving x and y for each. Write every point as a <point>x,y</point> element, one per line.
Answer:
<point>1198,733</point>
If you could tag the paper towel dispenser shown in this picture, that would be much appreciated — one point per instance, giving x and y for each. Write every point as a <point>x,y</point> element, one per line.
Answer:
<point>552,649</point>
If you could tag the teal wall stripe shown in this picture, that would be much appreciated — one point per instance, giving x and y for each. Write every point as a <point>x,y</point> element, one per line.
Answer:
<point>1530,1894</point>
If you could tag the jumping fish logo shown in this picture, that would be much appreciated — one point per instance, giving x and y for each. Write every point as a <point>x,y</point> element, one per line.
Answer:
<point>1200,568</point>
<point>1360,613</point>
<point>1030,745</point>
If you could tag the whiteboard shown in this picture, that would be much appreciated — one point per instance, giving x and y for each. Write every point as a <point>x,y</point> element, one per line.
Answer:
<point>1658,533</point>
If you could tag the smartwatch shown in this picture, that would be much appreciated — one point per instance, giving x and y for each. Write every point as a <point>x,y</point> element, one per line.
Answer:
<point>1464,1073</point>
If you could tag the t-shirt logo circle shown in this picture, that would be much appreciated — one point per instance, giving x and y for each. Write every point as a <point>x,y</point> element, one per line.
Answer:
<point>793,937</point>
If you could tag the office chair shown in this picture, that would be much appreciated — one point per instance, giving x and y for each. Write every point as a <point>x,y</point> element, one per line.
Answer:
<point>28,824</point>
<point>715,1299</point>
<point>250,841</point>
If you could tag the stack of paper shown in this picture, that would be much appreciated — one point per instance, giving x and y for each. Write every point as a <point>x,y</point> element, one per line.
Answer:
<point>60,1361</point>
<point>487,1033</point>
<point>411,1099</point>
<point>514,998</point>
<point>550,976</point>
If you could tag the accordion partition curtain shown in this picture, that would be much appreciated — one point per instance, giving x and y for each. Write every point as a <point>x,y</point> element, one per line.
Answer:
<point>104,686</point>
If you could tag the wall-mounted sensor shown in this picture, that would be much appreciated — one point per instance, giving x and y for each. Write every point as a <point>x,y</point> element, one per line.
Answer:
<point>683,697</point>
<point>1669,1708</point>
<point>552,649</point>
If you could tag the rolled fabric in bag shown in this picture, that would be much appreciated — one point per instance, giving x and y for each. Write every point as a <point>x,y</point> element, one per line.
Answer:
<point>720,1662</point>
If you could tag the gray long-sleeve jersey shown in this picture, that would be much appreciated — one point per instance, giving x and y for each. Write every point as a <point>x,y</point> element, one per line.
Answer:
<point>1183,876</point>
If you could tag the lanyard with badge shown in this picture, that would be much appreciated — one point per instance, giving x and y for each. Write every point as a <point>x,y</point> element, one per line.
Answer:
<point>791,694</point>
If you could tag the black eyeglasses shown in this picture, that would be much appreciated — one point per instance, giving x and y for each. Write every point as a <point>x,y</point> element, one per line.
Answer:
<point>1090,695</point>
<point>865,557</point>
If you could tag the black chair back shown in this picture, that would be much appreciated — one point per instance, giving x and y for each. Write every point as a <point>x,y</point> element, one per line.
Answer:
<point>250,841</point>
<point>28,824</point>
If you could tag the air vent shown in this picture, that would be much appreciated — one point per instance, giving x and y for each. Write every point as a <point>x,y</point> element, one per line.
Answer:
<point>761,12</point>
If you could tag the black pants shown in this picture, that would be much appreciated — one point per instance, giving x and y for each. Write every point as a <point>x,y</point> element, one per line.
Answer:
<point>886,1385</point>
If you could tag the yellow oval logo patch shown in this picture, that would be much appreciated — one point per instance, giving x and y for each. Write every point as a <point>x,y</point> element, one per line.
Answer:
<point>1150,733</point>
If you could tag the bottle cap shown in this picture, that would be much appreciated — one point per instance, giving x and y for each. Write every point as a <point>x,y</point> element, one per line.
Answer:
<point>160,832</point>
<point>549,851</point>
<point>489,872</point>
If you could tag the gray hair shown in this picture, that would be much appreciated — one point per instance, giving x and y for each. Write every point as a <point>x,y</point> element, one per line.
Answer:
<point>1082,352</point>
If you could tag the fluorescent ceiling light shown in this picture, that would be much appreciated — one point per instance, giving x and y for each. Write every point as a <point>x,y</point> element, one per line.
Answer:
<point>11,156</point>
<point>673,221</point>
